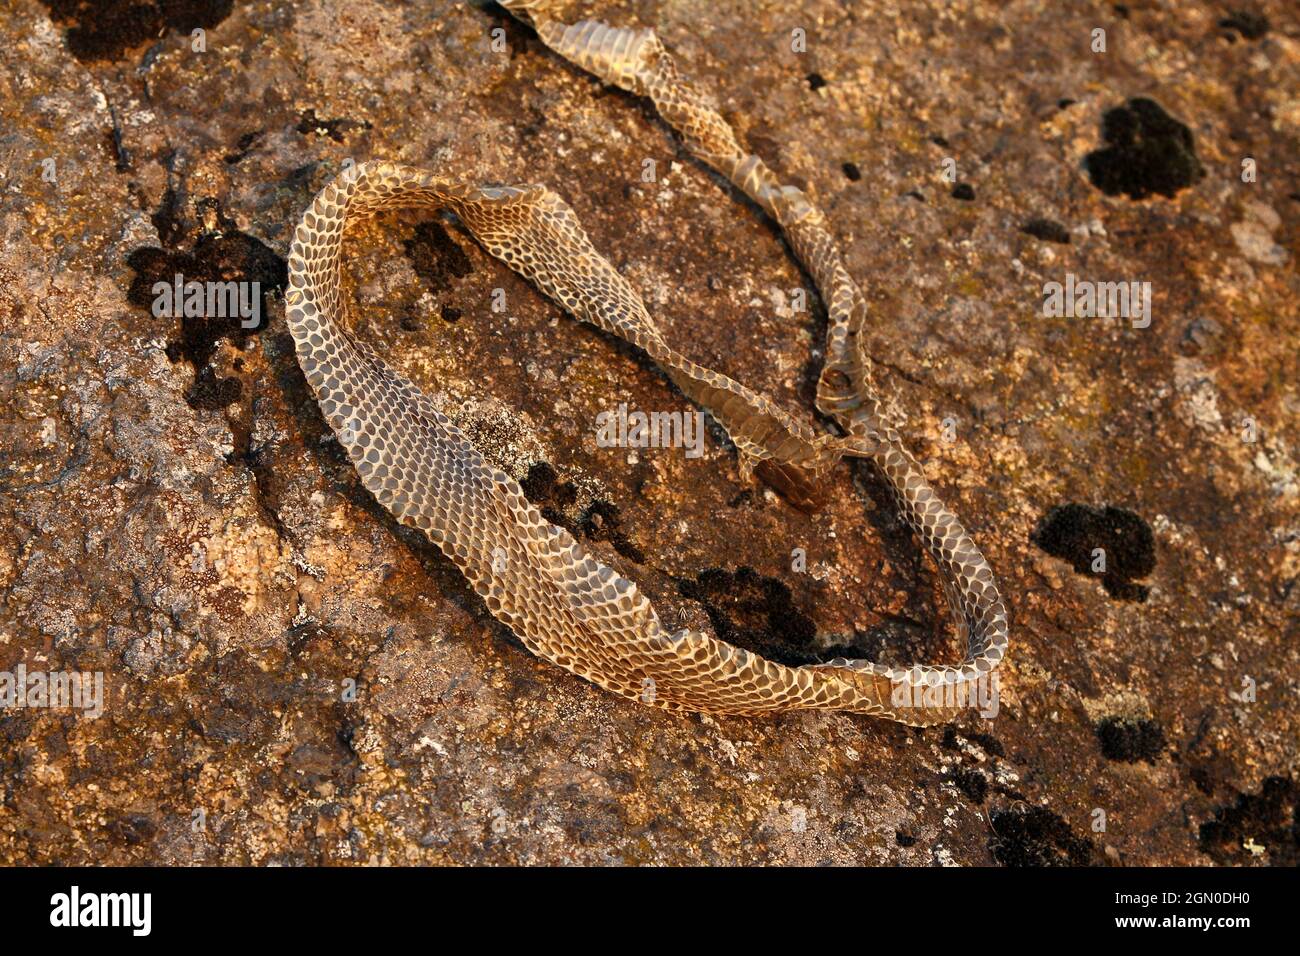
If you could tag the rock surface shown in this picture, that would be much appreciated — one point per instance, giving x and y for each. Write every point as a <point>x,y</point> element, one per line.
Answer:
<point>293,678</point>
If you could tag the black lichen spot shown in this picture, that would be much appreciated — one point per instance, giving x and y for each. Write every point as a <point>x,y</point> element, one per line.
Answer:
<point>851,172</point>
<point>1269,820</point>
<point>542,485</point>
<point>599,521</point>
<point>1148,152</point>
<point>435,256</point>
<point>540,481</point>
<point>972,783</point>
<point>227,256</point>
<point>1035,836</point>
<point>1129,740</point>
<point>757,613</point>
<point>309,122</point>
<point>990,744</point>
<point>816,81</point>
<point>1250,25</point>
<point>1049,230</point>
<point>1075,532</point>
<point>964,191</point>
<point>105,29</point>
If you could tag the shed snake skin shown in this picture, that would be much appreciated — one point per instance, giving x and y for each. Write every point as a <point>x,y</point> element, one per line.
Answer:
<point>562,603</point>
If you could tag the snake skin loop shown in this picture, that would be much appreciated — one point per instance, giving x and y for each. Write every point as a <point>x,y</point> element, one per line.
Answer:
<point>565,605</point>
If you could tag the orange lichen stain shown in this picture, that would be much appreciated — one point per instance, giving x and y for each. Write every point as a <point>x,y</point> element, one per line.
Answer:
<point>970,285</point>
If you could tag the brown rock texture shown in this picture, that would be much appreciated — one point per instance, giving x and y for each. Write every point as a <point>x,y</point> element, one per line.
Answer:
<point>293,678</point>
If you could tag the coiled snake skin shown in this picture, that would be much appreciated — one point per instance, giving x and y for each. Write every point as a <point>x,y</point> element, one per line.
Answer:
<point>564,605</point>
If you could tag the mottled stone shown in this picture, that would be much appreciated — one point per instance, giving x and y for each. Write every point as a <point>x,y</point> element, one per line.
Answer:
<point>294,678</point>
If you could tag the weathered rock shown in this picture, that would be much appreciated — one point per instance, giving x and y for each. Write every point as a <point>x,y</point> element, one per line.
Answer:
<point>293,678</point>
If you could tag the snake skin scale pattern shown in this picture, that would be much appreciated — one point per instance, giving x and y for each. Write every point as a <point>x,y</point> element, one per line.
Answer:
<point>563,604</point>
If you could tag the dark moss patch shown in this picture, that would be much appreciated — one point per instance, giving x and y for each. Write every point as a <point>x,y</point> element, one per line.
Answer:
<point>225,256</point>
<point>1269,819</point>
<point>964,191</point>
<point>972,783</point>
<point>335,129</point>
<point>851,172</point>
<point>105,29</point>
<point>1251,25</point>
<point>1148,152</point>
<point>542,485</point>
<point>540,481</point>
<point>1073,532</point>
<point>1129,740</point>
<point>757,613</point>
<point>1049,230</point>
<point>435,256</point>
<point>1035,836</point>
<point>599,521</point>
